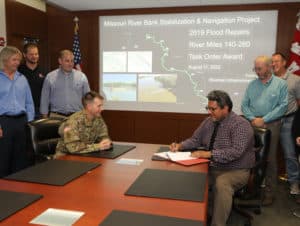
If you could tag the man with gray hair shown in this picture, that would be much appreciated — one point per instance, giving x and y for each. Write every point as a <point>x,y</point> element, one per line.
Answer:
<point>16,109</point>
<point>264,103</point>
<point>227,139</point>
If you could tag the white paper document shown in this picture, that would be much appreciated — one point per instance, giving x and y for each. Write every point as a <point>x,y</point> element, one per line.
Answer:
<point>179,156</point>
<point>57,217</point>
<point>175,156</point>
<point>127,161</point>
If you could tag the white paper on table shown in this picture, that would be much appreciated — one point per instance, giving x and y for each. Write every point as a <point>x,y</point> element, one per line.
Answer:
<point>179,156</point>
<point>162,154</point>
<point>57,217</point>
<point>127,161</point>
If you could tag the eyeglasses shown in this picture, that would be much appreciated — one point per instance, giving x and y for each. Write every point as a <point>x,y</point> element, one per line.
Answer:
<point>211,109</point>
<point>257,69</point>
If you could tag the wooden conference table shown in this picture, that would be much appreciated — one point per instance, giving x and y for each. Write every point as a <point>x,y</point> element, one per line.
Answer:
<point>101,190</point>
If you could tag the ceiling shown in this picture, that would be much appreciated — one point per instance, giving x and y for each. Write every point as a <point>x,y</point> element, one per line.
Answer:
<point>76,5</point>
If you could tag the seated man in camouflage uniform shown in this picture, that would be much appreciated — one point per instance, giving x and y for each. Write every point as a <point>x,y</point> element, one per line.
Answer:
<point>85,131</point>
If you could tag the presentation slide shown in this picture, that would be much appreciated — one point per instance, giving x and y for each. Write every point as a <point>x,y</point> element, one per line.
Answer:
<point>170,62</point>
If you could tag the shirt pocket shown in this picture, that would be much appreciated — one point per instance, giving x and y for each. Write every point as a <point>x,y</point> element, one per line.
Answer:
<point>78,86</point>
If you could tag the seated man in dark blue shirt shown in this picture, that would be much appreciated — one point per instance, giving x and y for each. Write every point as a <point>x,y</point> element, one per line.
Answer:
<point>228,141</point>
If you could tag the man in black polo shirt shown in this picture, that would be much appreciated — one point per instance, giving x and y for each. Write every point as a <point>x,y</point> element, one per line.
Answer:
<point>34,74</point>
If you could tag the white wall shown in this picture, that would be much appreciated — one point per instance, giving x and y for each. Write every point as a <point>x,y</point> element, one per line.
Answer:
<point>2,21</point>
<point>37,4</point>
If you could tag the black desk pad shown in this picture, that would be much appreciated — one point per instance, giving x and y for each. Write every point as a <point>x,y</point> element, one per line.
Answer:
<point>169,184</point>
<point>124,218</point>
<point>114,152</point>
<point>53,172</point>
<point>11,202</point>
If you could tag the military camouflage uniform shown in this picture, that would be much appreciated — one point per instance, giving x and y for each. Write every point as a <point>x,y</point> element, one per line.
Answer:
<point>78,135</point>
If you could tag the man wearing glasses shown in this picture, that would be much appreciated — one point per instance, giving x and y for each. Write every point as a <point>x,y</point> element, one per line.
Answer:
<point>264,103</point>
<point>227,140</point>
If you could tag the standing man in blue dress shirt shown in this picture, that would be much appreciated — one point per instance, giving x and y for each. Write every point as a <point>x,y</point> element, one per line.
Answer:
<point>63,88</point>
<point>286,139</point>
<point>264,103</point>
<point>16,108</point>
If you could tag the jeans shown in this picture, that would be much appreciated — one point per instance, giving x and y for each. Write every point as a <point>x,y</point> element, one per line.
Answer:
<point>288,146</point>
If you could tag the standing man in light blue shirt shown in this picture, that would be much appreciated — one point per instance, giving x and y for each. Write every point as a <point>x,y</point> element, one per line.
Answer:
<point>16,108</point>
<point>63,88</point>
<point>264,103</point>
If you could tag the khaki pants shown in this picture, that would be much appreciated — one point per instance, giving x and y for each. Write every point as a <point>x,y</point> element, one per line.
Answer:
<point>224,183</point>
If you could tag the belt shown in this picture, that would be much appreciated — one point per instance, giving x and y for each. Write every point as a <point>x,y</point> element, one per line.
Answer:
<point>13,116</point>
<point>289,115</point>
<point>63,114</point>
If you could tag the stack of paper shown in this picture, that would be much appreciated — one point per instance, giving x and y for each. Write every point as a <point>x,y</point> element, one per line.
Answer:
<point>57,217</point>
<point>127,161</point>
<point>183,158</point>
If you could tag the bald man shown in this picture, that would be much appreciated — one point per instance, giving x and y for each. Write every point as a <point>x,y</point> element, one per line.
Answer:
<point>63,88</point>
<point>264,104</point>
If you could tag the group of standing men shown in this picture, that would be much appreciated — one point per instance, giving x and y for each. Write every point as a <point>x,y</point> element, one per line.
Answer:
<point>27,94</point>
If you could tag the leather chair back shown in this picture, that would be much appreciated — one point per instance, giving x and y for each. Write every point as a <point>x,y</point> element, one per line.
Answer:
<point>44,135</point>
<point>262,146</point>
<point>250,196</point>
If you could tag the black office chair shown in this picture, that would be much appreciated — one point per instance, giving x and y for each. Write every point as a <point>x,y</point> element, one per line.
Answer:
<point>44,136</point>
<point>250,196</point>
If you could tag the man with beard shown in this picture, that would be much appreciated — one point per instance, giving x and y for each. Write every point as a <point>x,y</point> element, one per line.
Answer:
<point>34,74</point>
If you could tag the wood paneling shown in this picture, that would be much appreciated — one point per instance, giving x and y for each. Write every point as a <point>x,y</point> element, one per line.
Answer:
<point>24,21</point>
<point>151,127</point>
<point>60,33</point>
<point>120,124</point>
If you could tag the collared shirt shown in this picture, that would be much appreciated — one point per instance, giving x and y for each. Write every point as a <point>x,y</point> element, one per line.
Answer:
<point>63,92</point>
<point>293,82</point>
<point>268,101</point>
<point>234,142</point>
<point>79,135</point>
<point>35,79</point>
<point>15,96</point>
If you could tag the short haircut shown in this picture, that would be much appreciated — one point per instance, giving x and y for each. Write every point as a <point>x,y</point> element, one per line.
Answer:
<point>267,60</point>
<point>89,97</point>
<point>28,46</point>
<point>64,52</point>
<point>6,53</point>
<point>280,54</point>
<point>221,97</point>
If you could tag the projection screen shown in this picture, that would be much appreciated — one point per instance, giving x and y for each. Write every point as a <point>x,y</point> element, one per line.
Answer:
<point>169,62</point>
